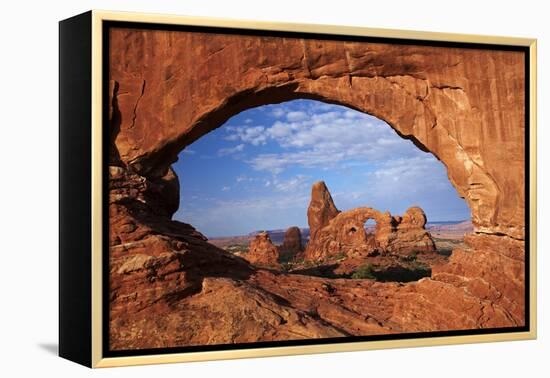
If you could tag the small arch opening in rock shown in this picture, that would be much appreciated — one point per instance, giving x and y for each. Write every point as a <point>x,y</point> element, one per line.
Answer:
<point>256,172</point>
<point>370,229</point>
<point>370,224</point>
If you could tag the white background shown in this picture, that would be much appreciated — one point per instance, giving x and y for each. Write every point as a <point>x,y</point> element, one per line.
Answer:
<point>29,189</point>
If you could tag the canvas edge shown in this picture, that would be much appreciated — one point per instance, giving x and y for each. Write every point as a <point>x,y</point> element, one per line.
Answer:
<point>74,274</point>
<point>97,190</point>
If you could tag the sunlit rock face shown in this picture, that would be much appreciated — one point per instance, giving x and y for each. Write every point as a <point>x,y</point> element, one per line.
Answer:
<point>170,287</point>
<point>262,252</point>
<point>343,233</point>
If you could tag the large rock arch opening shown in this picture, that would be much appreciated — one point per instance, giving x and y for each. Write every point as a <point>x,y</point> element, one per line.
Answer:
<point>465,106</point>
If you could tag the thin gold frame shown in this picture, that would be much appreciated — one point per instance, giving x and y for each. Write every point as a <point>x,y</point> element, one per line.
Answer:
<point>97,189</point>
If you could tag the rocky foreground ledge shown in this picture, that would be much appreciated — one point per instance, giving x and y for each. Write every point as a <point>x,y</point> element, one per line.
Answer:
<point>170,287</point>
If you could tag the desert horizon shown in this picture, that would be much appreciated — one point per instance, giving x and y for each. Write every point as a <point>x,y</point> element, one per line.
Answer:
<point>277,234</point>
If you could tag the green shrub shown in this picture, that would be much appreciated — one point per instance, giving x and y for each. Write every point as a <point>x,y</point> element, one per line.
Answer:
<point>364,271</point>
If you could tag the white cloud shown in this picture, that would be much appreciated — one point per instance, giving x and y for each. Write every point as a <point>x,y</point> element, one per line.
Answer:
<point>393,185</point>
<point>278,112</point>
<point>254,135</point>
<point>386,171</point>
<point>323,136</point>
<point>320,106</point>
<point>231,150</point>
<point>293,184</point>
<point>241,216</point>
<point>232,137</point>
<point>386,142</point>
<point>189,152</point>
<point>276,163</point>
<point>413,175</point>
<point>279,130</point>
<point>295,116</point>
<point>399,183</point>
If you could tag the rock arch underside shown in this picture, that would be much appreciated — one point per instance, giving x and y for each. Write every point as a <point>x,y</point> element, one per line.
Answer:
<point>170,287</point>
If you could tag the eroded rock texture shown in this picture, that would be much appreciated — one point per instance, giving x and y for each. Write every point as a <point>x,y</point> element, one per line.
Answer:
<point>262,252</point>
<point>410,233</point>
<point>321,209</point>
<point>170,287</point>
<point>292,246</point>
<point>343,233</point>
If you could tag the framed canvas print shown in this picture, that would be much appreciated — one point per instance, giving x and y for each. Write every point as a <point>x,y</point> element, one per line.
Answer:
<point>235,189</point>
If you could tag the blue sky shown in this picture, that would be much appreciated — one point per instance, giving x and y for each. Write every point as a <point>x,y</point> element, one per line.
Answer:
<point>255,172</point>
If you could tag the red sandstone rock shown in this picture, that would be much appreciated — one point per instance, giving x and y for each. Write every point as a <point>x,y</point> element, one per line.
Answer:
<point>411,235</point>
<point>466,106</point>
<point>292,243</point>
<point>262,252</point>
<point>170,287</point>
<point>321,208</point>
<point>345,232</point>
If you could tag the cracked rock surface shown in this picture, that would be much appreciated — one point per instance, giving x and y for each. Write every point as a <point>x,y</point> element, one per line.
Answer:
<point>170,287</point>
